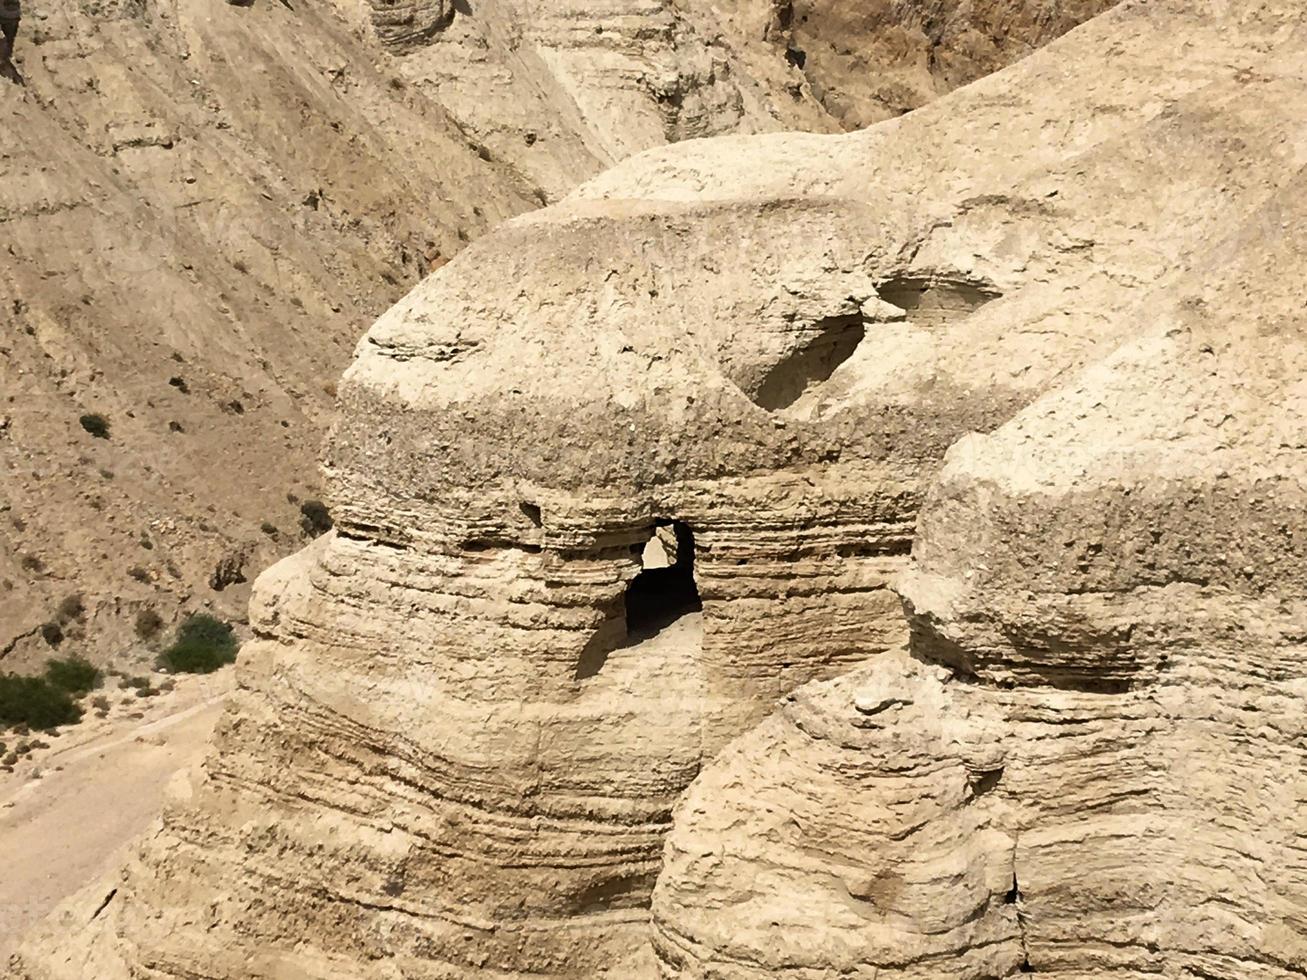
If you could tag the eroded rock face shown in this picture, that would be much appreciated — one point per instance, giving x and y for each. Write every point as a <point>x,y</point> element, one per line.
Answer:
<point>869,61</point>
<point>1092,761</point>
<point>401,23</point>
<point>1094,764</point>
<point>565,90</point>
<point>207,202</point>
<point>460,737</point>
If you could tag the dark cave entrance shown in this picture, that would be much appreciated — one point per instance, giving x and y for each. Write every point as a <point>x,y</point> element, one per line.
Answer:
<point>662,592</point>
<point>659,596</point>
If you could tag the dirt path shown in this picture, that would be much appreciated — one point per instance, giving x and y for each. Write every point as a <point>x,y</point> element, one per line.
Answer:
<point>100,785</point>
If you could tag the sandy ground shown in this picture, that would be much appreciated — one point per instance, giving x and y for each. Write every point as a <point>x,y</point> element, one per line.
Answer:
<point>68,809</point>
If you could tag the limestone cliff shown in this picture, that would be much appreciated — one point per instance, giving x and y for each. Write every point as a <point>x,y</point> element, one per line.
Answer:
<point>205,203</point>
<point>460,737</point>
<point>1092,764</point>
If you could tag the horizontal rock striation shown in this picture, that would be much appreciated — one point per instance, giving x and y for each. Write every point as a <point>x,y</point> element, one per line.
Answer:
<point>462,733</point>
<point>403,23</point>
<point>1092,762</point>
<point>190,254</point>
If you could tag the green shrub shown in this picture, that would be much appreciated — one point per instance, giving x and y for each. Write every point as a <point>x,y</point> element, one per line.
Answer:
<point>203,644</point>
<point>209,630</point>
<point>96,424</point>
<point>35,702</point>
<point>74,675</point>
<point>193,658</point>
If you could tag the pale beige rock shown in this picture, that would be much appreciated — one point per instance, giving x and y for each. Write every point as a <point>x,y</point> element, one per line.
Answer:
<point>1094,766</point>
<point>452,757</point>
<point>1099,768</point>
<point>204,204</point>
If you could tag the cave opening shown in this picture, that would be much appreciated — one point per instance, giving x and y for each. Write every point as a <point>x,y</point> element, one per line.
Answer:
<point>665,589</point>
<point>663,592</point>
<point>832,342</point>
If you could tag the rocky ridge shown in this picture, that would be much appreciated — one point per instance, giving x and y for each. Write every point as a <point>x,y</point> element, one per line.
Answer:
<point>471,710</point>
<point>1089,762</point>
<point>204,203</point>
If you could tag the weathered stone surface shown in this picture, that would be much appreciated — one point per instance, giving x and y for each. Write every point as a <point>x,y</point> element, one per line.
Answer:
<point>1092,763</point>
<point>868,61</point>
<point>400,23</point>
<point>461,735</point>
<point>203,205</point>
<point>1095,764</point>
<point>565,89</point>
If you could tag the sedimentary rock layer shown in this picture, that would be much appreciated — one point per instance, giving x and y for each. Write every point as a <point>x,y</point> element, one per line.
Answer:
<point>1092,764</point>
<point>461,734</point>
<point>205,203</point>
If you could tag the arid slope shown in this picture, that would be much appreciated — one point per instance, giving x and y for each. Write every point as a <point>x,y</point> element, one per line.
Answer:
<point>205,204</point>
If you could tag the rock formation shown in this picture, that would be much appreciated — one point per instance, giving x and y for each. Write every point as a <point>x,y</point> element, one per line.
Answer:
<point>200,204</point>
<point>869,61</point>
<point>203,204</point>
<point>1094,763</point>
<point>635,74</point>
<point>462,732</point>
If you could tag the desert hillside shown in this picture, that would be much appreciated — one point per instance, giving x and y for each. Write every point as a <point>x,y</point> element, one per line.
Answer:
<point>205,204</point>
<point>800,556</point>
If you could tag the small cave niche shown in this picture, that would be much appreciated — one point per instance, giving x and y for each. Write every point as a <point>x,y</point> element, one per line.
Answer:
<point>929,302</point>
<point>662,592</point>
<point>833,342</point>
<point>665,589</point>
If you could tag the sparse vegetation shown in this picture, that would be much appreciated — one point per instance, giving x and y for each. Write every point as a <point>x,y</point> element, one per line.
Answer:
<point>71,608</point>
<point>315,519</point>
<point>202,645</point>
<point>148,623</point>
<point>36,703</point>
<point>74,675</point>
<point>96,424</point>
